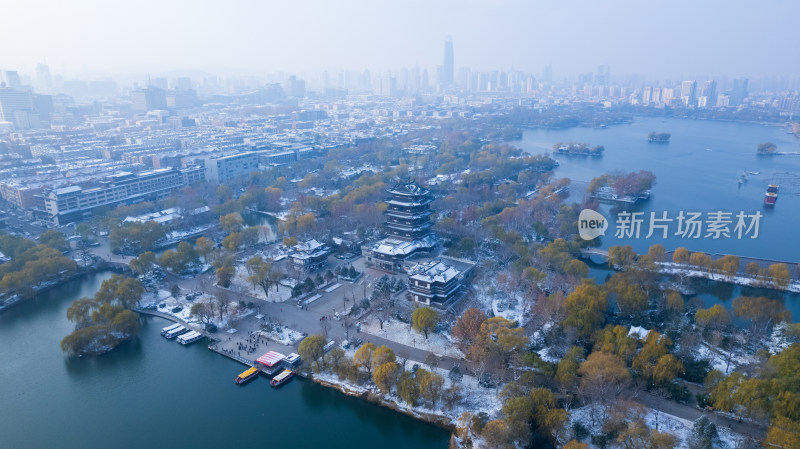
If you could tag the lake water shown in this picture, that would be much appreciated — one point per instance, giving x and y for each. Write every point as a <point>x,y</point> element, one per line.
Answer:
<point>697,171</point>
<point>157,393</point>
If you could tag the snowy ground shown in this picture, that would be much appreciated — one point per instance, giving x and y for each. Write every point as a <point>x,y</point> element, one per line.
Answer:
<point>402,333</point>
<point>474,398</point>
<point>284,335</point>
<point>235,312</point>
<point>718,358</point>
<point>679,427</point>
<point>241,284</point>
<point>778,341</point>
<point>673,268</point>
<point>500,304</point>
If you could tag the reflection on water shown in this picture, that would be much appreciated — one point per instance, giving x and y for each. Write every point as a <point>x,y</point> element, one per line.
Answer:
<point>153,392</point>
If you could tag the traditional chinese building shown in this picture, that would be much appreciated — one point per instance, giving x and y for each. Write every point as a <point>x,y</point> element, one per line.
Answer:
<point>310,255</point>
<point>437,282</point>
<point>408,226</point>
<point>408,212</point>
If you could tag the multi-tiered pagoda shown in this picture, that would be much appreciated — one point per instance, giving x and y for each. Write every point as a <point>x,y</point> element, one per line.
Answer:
<point>408,215</point>
<point>408,227</point>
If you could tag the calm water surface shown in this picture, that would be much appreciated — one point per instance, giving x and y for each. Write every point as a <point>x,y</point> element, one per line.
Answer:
<point>157,393</point>
<point>696,171</point>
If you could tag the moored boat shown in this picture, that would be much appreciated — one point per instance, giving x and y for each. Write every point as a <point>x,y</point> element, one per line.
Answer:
<point>282,378</point>
<point>770,198</point>
<point>189,337</point>
<point>247,375</point>
<point>175,332</point>
<point>165,330</point>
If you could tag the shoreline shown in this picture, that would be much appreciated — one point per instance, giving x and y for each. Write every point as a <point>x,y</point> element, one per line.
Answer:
<point>86,271</point>
<point>430,418</point>
<point>437,420</point>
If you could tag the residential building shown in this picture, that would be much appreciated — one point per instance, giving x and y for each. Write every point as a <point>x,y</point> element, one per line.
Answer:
<point>221,169</point>
<point>689,92</point>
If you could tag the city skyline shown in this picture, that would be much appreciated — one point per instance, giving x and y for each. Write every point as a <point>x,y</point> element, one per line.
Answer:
<point>649,40</point>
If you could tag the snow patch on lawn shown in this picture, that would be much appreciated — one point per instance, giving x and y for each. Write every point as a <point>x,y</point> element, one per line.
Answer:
<point>402,333</point>
<point>657,420</point>
<point>239,283</point>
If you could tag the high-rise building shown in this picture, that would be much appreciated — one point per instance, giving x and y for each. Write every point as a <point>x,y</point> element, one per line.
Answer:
<point>708,94</point>
<point>689,92</point>
<point>16,106</point>
<point>12,79</point>
<point>295,88</point>
<point>44,79</point>
<point>655,97</point>
<point>448,67</point>
<point>548,73</point>
<point>149,99</point>
<point>646,95</point>
<point>160,83</point>
<point>739,91</point>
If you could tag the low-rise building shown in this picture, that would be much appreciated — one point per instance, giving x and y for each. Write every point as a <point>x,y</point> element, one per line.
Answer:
<point>221,169</point>
<point>439,281</point>
<point>74,203</point>
<point>310,255</point>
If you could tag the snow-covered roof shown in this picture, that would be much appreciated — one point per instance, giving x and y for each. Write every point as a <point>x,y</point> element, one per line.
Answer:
<point>409,189</point>
<point>639,332</point>
<point>65,190</point>
<point>308,246</point>
<point>395,247</point>
<point>434,271</point>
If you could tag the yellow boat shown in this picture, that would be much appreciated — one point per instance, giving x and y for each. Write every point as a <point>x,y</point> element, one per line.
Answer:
<point>246,376</point>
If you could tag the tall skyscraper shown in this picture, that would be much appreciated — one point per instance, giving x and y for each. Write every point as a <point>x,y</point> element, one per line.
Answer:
<point>12,79</point>
<point>149,99</point>
<point>17,106</point>
<point>44,79</point>
<point>708,94</point>
<point>448,67</point>
<point>689,92</point>
<point>739,92</point>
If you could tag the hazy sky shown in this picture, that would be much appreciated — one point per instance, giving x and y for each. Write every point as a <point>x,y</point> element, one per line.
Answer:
<point>657,39</point>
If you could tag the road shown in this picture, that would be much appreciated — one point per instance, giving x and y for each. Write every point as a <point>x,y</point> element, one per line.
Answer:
<point>692,413</point>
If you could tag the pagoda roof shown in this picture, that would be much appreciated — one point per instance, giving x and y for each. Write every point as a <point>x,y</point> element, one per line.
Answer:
<point>409,189</point>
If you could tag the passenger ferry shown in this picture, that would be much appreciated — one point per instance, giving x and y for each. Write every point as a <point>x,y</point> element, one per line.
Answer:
<point>175,332</point>
<point>247,376</point>
<point>282,378</point>
<point>169,328</point>
<point>189,337</point>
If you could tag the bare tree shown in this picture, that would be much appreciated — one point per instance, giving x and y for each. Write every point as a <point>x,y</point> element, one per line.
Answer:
<point>325,326</point>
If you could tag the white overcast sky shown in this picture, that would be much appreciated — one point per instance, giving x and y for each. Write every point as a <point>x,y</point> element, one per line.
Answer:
<point>653,38</point>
